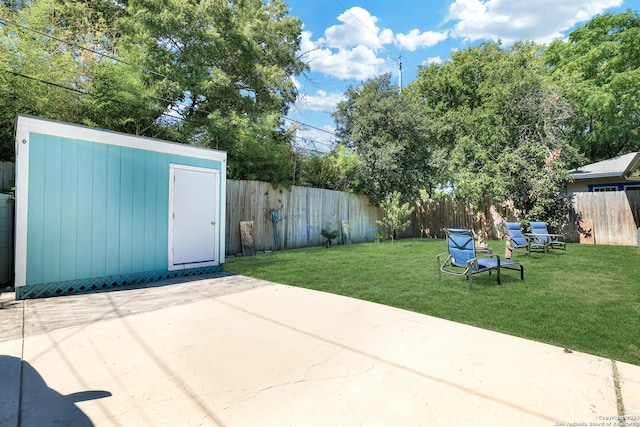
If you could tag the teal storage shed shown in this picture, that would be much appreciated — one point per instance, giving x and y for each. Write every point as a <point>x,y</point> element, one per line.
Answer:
<point>97,209</point>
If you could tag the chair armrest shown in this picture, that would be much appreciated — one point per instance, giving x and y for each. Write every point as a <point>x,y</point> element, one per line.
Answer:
<point>558,236</point>
<point>534,238</point>
<point>441,255</point>
<point>553,236</point>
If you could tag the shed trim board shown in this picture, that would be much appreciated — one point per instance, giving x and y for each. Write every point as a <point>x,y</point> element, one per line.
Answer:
<point>94,204</point>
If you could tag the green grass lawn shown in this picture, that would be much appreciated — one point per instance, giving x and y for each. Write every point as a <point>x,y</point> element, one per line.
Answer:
<point>586,298</point>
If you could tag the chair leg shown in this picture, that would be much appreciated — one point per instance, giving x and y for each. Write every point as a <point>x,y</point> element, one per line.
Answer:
<point>498,274</point>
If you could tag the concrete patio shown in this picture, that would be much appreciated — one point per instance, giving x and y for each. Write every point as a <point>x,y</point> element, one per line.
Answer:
<point>236,351</point>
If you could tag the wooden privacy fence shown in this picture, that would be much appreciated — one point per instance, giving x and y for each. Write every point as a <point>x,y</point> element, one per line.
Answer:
<point>606,218</point>
<point>303,213</point>
<point>430,217</point>
<point>7,176</point>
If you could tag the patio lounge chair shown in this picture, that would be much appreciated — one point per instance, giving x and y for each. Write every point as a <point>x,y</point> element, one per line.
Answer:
<point>516,240</point>
<point>541,235</point>
<point>461,258</point>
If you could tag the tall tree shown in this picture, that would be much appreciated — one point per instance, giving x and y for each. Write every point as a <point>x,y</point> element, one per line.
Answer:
<point>383,129</point>
<point>500,119</point>
<point>599,65</point>
<point>213,73</point>
<point>40,74</point>
<point>60,62</point>
<point>227,67</point>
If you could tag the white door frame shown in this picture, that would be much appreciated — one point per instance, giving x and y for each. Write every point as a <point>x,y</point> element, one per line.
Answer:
<point>172,171</point>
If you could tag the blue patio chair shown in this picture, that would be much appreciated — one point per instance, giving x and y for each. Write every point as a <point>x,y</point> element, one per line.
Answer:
<point>541,235</point>
<point>461,258</point>
<point>517,241</point>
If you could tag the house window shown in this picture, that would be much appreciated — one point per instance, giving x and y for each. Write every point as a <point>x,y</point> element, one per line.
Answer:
<point>635,187</point>
<point>605,188</point>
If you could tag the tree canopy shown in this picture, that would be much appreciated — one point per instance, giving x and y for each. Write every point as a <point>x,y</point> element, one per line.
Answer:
<point>505,122</point>
<point>501,120</point>
<point>211,73</point>
<point>599,67</point>
<point>385,131</point>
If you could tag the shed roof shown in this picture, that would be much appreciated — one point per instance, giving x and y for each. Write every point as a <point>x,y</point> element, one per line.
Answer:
<point>626,166</point>
<point>28,124</point>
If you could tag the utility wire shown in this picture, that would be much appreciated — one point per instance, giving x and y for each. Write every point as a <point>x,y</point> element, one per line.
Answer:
<point>163,114</point>
<point>81,92</point>
<point>145,70</point>
<point>309,126</point>
<point>74,74</point>
<point>102,54</point>
<point>314,141</point>
<point>46,82</point>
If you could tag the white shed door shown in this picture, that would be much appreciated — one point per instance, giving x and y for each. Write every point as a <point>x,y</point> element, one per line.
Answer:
<point>192,217</point>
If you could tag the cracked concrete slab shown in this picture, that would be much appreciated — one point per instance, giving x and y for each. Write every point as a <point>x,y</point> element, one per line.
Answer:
<point>236,351</point>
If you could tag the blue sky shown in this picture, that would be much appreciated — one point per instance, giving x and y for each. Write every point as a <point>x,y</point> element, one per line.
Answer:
<point>347,42</point>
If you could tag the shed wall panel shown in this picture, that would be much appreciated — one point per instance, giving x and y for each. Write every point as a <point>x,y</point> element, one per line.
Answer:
<point>69,227</point>
<point>98,212</point>
<point>150,211</point>
<point>84,207</point>
<point>35,215</point>
<point>126,227</point>
<point>137,236</point>
<point>53,206</point>
<point>113,209</point>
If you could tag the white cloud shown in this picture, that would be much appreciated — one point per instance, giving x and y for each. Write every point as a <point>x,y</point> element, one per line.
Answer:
<point>432,60</point>
<point>415,39</point>
<point>349,50</point>
<point>321,101</point>
<point>512,20</point>
<point>359,62</point>
<point>358,28</point>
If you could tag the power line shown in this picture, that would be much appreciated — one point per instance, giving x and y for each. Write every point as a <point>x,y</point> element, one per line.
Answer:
<point>309,126</point>
<point>46,82</point>
<point>163,114</point>
<point>305,140</point>
<point>102,54</point>
<point>145,70</point>
<point>81,92</point>
<point>74,73</point>
<point>314,141</point>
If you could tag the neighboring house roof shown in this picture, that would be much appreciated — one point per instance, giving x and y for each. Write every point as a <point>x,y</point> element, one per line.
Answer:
<point>626,166</point>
